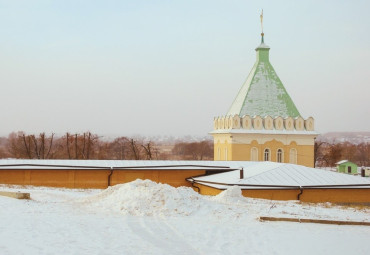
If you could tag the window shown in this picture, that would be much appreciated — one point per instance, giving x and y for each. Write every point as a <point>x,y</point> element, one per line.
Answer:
<point>266,155</point>
<point>218,153</point>
<point>293,156</point>
<point>225,153</point>
<point>254,154</point>
<point>279,156</point>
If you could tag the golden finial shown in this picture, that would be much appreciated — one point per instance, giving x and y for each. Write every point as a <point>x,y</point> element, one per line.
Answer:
<point>261,16</point>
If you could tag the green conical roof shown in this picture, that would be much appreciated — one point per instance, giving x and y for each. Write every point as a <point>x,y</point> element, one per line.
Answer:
<point>263,93</point>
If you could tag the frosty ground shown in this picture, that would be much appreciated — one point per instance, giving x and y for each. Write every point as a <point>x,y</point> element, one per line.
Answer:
<point>143,217</point>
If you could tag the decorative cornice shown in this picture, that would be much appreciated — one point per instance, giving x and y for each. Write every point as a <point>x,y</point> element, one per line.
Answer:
<point>265,125</point>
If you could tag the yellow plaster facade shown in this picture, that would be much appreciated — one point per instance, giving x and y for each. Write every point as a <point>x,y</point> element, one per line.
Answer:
<point>284,148</point>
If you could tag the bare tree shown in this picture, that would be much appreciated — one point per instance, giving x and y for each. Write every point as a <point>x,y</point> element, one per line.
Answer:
<point>150,150</point>
<point>119,148</point>
<point>134,148</point>
<point>81,145</point>
<point>363,154</point>
<point>194,150</point>
<point>30,146</point>
<point>320,155</point>
<point>27,144</point>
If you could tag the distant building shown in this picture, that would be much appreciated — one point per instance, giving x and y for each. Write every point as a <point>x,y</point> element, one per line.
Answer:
<point>347,167</point>
<point>263,123</point>
<point>365,171</point>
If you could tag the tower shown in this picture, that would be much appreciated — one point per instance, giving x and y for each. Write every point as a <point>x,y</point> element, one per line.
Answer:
<point>263,123</point>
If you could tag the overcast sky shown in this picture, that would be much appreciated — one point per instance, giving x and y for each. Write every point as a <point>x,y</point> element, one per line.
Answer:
<point>169,67</point>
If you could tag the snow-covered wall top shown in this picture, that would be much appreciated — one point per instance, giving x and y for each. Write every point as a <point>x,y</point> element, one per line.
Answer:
<point>114,164</point>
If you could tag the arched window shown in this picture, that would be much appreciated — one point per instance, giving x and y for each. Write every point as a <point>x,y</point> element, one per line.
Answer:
<point>266,155</point>
<point>293,156</point>
<point>218,154</point>
<point>254,154</point>
<point>225,153</point>
<point>279,156</point>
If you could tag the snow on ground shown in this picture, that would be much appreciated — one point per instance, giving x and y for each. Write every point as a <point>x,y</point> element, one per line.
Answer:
<point>143,217</point>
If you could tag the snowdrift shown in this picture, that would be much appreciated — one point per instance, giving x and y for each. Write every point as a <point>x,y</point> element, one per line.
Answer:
<point>148,198</point>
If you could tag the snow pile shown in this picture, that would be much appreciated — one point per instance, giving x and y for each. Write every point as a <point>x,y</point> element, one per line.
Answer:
<point>148,198</point>
<point>233,195</point>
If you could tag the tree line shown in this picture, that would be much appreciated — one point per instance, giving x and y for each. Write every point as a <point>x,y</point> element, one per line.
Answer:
<point>87,145</point>
<point>327,154</point>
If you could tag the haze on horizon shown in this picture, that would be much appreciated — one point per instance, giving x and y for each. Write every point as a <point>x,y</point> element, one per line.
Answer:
<point>170,67</point>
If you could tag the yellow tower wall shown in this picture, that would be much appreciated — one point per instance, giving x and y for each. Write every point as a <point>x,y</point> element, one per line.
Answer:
<point>239,147</point>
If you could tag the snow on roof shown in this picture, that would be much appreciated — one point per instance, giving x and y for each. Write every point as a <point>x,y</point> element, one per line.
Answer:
<point>162,164</point>
<point>341,162</point>
<point>280,174</point>
<point>263,93</point>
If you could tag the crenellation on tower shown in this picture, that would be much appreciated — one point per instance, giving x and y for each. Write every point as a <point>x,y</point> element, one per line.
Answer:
<point>267,123</point>
<point>289,123</point>
<point>309,124</point>
<point>299,123</point>
<point>236,122</point>
<point>247,122</point>
<point>279,123</point>
<point>257,122</point>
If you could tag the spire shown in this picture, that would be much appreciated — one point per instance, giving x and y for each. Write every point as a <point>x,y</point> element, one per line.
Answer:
<point>262,34</point>
<point>263,93</point>
<point>262,45</point>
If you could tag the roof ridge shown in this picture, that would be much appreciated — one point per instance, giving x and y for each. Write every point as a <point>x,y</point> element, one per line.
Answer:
<point>272,163</point>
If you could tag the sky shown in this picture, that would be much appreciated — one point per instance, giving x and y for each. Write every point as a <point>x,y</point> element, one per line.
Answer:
<point>169,67</point>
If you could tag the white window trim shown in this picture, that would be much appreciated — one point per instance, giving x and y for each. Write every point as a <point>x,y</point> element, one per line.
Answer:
<point>269,154</point>
<point>282,155</point>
